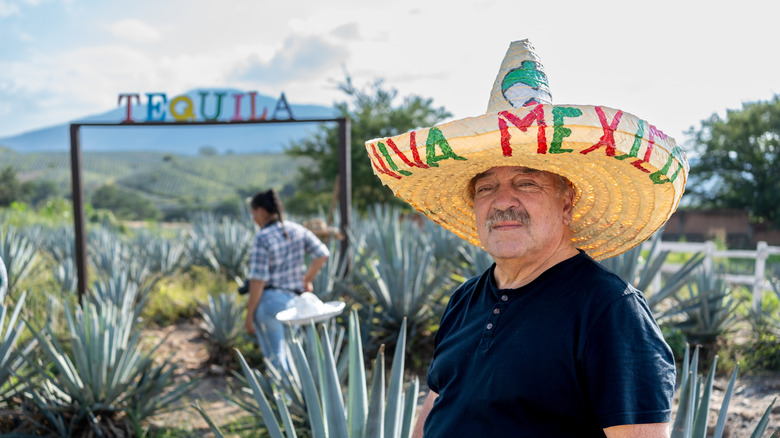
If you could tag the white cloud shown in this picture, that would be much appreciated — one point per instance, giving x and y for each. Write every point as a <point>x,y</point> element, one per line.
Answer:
<point>134,30</point>
<point>8,9</point>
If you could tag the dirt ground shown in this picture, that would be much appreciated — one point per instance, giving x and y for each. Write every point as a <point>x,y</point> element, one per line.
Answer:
<point>752,394</point>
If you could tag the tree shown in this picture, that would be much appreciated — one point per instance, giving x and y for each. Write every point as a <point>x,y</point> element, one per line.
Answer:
<point>736,161</point>
<point>124,204</point>
<point>10,187</point>
<point>36,192</point>
<point>207,151</point>
<point>373,114</point>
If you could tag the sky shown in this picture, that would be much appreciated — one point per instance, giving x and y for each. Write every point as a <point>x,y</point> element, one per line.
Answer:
<point>672,63</point>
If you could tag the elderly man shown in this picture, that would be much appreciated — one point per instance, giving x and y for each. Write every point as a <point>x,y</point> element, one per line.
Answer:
<point>545,343</point>
<point>567,347</point>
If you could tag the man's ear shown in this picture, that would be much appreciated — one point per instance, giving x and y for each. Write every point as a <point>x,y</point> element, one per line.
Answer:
<point>567,199</point>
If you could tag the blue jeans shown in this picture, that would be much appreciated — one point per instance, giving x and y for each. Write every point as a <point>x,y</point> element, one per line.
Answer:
<point>270,331</point>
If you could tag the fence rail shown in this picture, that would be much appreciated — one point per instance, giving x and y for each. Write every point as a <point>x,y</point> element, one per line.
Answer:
<point>757,281</point>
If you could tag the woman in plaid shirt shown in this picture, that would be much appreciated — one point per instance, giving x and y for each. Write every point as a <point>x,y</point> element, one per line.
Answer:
<point>276,272</point>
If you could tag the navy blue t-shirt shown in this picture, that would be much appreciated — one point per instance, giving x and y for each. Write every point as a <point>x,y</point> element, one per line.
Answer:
<point>574,351</point>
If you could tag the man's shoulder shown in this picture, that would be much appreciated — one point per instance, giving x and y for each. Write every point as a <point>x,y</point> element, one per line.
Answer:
<point>596,281</point>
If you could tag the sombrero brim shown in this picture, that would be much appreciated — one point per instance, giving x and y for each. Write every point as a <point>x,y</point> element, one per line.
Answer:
<point>291,315</point>
<point>629,176</point>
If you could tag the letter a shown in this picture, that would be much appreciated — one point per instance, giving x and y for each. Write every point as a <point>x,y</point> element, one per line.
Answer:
<point>436,138</point>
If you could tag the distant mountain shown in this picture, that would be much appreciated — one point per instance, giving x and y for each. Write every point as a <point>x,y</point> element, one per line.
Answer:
<point>265,138</point>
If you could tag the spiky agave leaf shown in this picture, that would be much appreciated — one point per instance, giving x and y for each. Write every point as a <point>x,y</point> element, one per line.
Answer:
<point>104,373</point>
<point>11,358</point>
<point>758,432</point>
<point>222,325</point>
<point>367,414</point>
<point>357,398</point>
<point>693,408</point>
<point>19,252</point>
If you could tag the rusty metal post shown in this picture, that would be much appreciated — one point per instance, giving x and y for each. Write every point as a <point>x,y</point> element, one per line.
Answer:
<point>345,182</point>
<point>78,210</point>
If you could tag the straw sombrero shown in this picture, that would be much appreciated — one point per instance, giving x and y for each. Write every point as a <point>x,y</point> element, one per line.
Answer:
<point>628,175</point>
<point>309,308</point>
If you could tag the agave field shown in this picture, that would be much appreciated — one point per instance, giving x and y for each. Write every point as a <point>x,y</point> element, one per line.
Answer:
<point>79,366</point>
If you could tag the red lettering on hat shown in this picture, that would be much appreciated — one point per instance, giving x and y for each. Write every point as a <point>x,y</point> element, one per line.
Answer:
<point>381,168</point>
<point>608,138</point>
<point>535,115</point>
<point>389,159</point>
<point>413,143</point>
<point>415,154</point>
<point>652,133</point>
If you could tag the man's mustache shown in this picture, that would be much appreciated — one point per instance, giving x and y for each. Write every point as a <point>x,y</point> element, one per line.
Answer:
<point>510,214</point>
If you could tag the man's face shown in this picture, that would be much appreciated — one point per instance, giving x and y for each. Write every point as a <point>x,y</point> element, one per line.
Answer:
<point>519,212</point>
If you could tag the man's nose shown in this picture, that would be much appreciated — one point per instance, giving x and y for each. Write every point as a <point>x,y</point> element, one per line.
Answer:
<point>506,197</point>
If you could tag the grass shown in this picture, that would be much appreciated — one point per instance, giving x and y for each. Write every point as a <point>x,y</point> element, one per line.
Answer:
<point>177,298</point>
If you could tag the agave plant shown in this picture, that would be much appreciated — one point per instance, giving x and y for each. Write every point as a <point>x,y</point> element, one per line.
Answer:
<point>227,241</point>
<point>288,382</point>
<point>120,291</point>
<point>400,277</point>
<point>60,243</point>
<point>59,246</point>
<point>693,408</point>
<point>708,311</point>
<point>20,253</point>
<point>640,271</point>
<point>116,260</point>
<point>11,359</point>
<point>223,326</point>
<point>65,275</point>
<point>327,284</point>
<point>103,383</point>
<point>385,411</point>
<point>765,319</point>
<point>107,250</point>
<point>474,261</point>
<point>164,255</point>
<point>446,245</point>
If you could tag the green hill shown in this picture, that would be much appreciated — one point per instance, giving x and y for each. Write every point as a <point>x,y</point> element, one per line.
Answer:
<point>166,179</point>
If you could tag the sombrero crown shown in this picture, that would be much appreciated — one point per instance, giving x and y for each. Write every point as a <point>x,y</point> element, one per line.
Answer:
<point>628,175</point>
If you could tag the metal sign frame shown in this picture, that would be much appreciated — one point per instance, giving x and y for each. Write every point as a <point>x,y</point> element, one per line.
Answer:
<point>345,177</point>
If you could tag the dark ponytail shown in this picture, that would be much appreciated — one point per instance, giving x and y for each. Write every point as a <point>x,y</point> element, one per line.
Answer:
<point>270,202</point>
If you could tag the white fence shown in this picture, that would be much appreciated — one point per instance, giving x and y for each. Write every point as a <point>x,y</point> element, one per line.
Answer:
<point>757,281</point>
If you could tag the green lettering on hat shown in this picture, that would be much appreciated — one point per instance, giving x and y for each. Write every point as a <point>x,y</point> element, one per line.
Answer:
<point>640,134</point>
<point>559,131</point>
<point>436,138</point>
<point>659,177</point>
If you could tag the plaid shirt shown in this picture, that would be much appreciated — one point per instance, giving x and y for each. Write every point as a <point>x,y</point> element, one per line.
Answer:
<point>278,261</point>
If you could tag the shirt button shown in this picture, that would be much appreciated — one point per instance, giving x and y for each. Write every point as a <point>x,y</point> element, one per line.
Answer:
<point>504,297</point>
<point>496,311</point>
<point>490,326</point>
